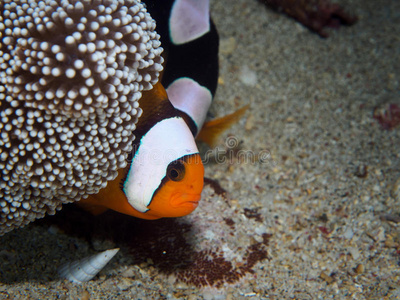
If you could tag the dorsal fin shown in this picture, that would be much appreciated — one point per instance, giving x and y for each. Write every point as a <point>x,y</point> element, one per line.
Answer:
<point>156,107</point>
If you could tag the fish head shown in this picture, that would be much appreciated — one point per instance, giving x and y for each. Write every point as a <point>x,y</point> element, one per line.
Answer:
<point>180,191</point>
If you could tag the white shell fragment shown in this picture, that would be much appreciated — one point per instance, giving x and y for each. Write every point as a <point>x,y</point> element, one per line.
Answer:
<point>85,269</point>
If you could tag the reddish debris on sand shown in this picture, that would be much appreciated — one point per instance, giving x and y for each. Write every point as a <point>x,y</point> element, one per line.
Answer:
<point>324,230</point>
<point>210,268</point>
<point>314,14</point>
<point>388,115</point>
<point>218,189</point>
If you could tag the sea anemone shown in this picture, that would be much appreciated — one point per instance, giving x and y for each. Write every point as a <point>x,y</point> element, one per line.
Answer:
<point>71,75</point>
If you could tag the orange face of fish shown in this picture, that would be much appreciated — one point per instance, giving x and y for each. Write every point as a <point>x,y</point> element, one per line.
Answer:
<point>178,195</point>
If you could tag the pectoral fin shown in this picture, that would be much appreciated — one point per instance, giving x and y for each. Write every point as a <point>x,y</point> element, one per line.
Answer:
<point>211,130</point>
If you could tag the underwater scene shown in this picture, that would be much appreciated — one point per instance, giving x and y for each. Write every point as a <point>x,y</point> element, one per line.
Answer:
<point>199,149</point>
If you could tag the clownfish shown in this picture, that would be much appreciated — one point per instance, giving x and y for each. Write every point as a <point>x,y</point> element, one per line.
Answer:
<point>165,174</point>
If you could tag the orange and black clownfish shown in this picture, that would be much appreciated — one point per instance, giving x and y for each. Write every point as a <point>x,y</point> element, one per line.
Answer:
<point>165,175</point>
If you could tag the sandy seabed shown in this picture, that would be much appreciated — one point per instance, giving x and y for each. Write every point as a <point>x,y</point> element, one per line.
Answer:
<point>312,180</point>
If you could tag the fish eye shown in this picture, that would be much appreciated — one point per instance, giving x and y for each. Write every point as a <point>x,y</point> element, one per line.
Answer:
<point>176,170</point>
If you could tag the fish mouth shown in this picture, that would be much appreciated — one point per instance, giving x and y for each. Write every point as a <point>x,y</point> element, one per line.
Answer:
<point>186,200</point>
